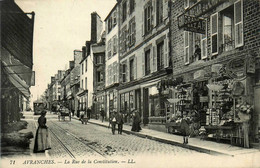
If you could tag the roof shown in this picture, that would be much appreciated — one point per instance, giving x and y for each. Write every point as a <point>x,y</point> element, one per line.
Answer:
<point>111,11</point>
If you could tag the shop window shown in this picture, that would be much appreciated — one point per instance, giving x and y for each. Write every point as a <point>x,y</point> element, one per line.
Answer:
<point>147,62</point>
<point>124,11</point>
<point>122,99</point>
<point>109,49</point>
<point>159,12</point>
<point>114,45</point>
<point>131,66</point>
<point>148,17</point>
<point>132,5</point>
<point>160,56</point>
<point>131,34</point>
<point>124,72</point>
<point>154,102</point>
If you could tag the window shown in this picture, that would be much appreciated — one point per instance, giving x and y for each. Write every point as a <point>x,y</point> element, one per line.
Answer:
<point>160,56</point>
<point>82,83</point>
<point>148,17</point>
<point>99,59</point>
<point>227,22</point>
<point>227,29</point>
<point>114,45</point>
<point>239,40</point>
<point>159,12</point>
<point>186,4</point>
<point>114,71</point>
<point>147,62</point>
<point>114,19</point>
<point>86,65</point>
<point>204,46</point>
<point>99,76</point>
<point>132,5</point>
<point>109,49</point>
<point>131,65</point>
<point>131,31</point>
<point>86,83</point>
<point>124,11</point>
<point>110,24</point>
<point>82,68</point>
<point>124,72</point>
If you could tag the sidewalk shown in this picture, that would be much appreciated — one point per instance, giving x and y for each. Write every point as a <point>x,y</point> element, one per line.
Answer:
<point>194,143</point>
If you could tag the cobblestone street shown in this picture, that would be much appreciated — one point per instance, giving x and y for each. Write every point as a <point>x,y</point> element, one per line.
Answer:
<point>92,140</point>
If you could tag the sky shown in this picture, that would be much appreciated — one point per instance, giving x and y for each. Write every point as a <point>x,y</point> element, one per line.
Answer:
<point>60,27</point>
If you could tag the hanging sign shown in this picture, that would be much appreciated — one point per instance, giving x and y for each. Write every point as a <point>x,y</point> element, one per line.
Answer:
<point>236,68</point>
<point>193,24</point>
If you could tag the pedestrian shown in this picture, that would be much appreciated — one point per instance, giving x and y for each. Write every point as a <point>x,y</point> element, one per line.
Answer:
<point>84,118</point>
<point>88,113</point>
<point>136,122</point>
<point>113,122</point>
<point>120,122</point>
<point>185,129</point>
<point>42,138</point>
<point>102,113</point>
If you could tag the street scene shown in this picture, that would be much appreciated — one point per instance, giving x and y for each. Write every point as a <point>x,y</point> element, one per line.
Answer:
<point>121,83</point>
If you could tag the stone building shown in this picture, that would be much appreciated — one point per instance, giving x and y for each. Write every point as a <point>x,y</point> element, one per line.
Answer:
<point>144,58</point>
<point>111,61</point>
<point>215,50</point>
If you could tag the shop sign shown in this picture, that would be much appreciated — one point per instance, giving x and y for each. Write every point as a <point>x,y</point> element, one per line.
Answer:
<point>204,99</point>
<point>202,7</point>
<point>216,68</point>
<point>236,68</point>
<point>199,74</point>
<point>192,24</point>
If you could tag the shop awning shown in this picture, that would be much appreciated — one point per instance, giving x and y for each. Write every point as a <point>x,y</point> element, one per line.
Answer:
<point>82,93</point>
<point>17,81</point>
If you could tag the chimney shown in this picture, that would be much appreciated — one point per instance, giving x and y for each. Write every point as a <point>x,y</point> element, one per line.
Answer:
<point>96,27</point>
<point>88,43</point>
<point>77,57</point>
<point>71,64</point>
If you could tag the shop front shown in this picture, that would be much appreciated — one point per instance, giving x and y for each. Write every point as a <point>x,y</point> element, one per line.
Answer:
<point>218,100</point>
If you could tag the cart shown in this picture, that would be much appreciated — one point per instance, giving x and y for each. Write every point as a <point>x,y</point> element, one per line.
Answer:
<point>63,113</point>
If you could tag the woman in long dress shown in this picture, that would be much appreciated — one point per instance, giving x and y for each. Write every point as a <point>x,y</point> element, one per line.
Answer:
<point>42,138</point>
<point>136,122</point>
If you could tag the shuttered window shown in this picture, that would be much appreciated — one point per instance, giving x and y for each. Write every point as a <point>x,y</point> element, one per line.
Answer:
<point>214,33</point>
<point>238,14</point>
<point>186,47</point>
<point>148,17</point>
<point>159,12</point>
<point>132,32</point>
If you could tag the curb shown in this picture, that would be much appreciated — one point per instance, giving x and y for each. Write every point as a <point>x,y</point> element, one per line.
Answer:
<point>191,147</point>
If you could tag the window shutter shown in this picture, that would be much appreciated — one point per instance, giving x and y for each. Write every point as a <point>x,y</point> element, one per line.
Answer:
<point>165,9</point>
<point>143,20</point>
<point>239,35</point>
<point>214,33</point>
<point>116,72</point>
<point>134,31</point>
<point>152,14</point>
<point>143,60</point>
<point>127,71</point>
<point>120,73</point>
<point>186,47</point>
<point>135,68</point>
<point>204,44</point>
<point>151,60</point>
<point>191,51</point>
<point>166,52</point>
<point>154,59</point>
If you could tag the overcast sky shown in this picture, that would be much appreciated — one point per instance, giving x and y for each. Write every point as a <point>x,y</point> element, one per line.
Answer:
<point>60,27</point>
